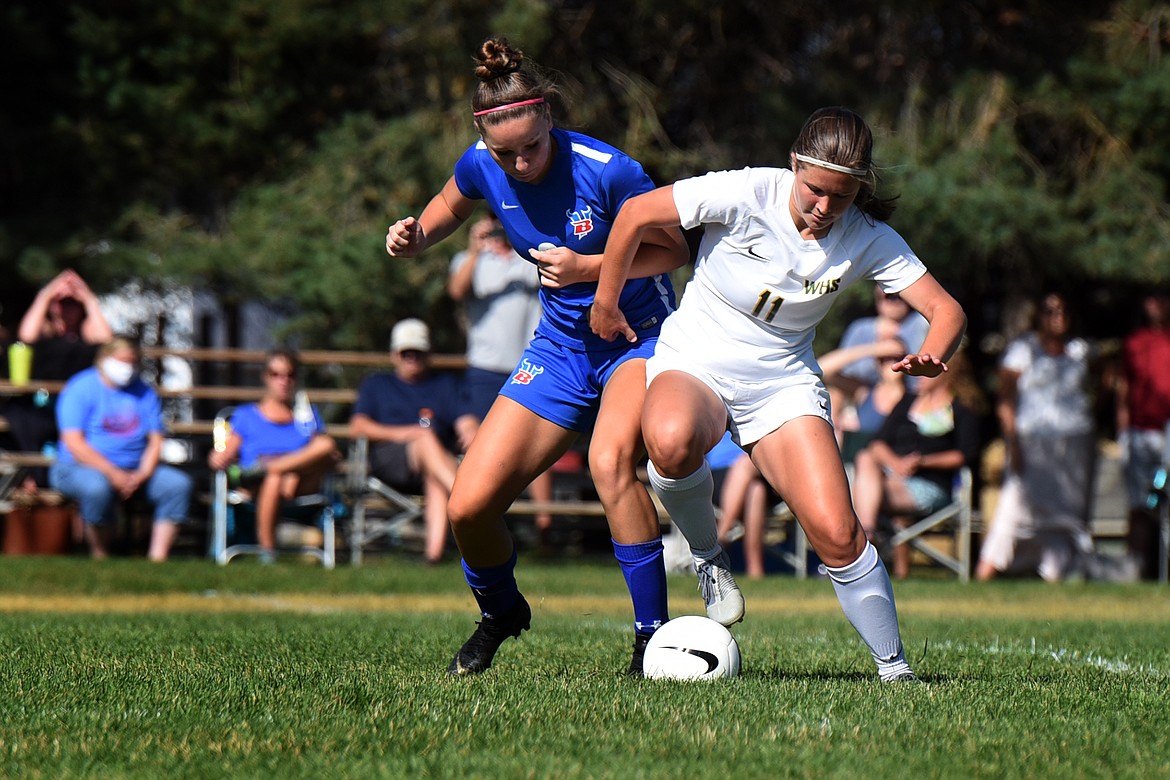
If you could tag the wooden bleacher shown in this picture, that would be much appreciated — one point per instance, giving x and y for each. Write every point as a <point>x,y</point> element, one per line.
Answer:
<point>228,370</point>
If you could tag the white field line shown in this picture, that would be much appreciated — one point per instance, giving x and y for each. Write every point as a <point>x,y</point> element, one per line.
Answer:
<point>1122,666</point>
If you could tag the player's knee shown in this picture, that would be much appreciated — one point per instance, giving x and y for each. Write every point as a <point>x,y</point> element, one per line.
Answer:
<point>459,512</point>
<point>675,454</point>
<point>610,465</point>
<point>841,543</point>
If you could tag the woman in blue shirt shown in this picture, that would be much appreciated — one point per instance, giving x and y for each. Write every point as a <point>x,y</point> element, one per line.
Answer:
<point>285,451</point>
<point>557,193</point>
<point>111,440</point>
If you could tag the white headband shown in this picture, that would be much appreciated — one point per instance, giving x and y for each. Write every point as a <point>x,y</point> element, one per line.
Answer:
<point>858,172</point>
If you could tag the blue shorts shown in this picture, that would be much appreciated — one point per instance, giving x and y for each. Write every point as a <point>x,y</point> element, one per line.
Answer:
<point>563,385</point>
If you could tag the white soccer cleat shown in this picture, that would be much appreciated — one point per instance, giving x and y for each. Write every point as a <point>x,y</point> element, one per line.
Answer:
<point>720,593</point>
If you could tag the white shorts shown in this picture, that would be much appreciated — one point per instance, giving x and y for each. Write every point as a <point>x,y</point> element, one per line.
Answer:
<point>757,407</point>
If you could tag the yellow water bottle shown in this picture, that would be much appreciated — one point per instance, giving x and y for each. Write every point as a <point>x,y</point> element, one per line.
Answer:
<point>220,430</point>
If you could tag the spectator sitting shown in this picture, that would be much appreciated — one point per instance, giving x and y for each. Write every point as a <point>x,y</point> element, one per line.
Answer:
<point>893,319</point>
<point>909,467</point>
<point>111,437</point>
<point>869,404</point>
<point>66,325</point>
<point>415,421</point>
<point>283,450</point>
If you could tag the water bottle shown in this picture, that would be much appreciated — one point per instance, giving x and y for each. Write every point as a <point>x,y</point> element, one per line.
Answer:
<point>1157,489</point>
<point>303,412</point>
<point>220,430</point>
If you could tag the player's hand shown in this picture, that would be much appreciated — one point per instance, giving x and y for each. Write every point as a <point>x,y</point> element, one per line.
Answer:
<point>405,238</point>
<point>608,322</point>
<point>920,365</point>
<point>560,266</point>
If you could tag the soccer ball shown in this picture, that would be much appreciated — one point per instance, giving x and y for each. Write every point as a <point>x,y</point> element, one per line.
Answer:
<point>691,648</point>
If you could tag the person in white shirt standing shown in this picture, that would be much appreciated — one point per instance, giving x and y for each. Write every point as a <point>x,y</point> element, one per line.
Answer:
<point>778,247</point>
<point>1045,416</point>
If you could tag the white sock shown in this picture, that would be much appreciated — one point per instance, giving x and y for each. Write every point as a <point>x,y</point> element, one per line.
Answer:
<point>867,598</point>
<point>689,500</point>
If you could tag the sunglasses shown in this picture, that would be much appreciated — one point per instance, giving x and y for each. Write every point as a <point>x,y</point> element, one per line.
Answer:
<point>412,354</point>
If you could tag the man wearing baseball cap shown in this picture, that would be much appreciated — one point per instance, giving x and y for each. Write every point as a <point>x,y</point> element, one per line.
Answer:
<point>416,420</point>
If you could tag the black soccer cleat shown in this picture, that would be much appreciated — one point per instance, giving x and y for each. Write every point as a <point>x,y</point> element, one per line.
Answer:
<point>478,651</point>
<point>640,641</point>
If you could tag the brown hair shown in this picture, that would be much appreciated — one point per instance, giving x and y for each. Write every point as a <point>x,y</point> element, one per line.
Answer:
<point>506,77</point>
<point>840,136</point>
<point>119,341</point>
<point>287,354</point>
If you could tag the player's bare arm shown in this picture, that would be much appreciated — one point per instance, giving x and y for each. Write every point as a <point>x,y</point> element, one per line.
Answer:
<point>643,218</point>
<point>448,210</point>
<point>947,324</point>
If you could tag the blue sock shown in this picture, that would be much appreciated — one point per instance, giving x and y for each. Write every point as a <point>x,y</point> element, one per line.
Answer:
<point>645,575</point>
<point>494,587</point>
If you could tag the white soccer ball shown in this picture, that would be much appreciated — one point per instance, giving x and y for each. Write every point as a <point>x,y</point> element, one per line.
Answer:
<point>691,648</point>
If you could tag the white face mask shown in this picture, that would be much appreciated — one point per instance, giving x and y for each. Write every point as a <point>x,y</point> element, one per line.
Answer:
<point>118,372</point>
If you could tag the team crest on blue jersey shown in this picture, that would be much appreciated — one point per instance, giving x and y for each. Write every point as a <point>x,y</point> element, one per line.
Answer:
<point>581,221</point>
<point>526,373</point>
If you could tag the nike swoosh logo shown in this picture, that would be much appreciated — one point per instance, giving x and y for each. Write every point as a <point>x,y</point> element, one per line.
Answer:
<point>752,251</point>
<point>710,658</point>
<point>504,205</point>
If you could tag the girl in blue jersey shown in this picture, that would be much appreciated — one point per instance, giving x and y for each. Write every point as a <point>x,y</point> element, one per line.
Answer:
<point>556,193</point>
<point>778,247</point>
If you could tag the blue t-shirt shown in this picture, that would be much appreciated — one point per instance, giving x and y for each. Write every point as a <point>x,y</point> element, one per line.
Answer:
<point>573,206</point>
<point>115,421</point>
<point>386,399</point>
<point>262,438</point>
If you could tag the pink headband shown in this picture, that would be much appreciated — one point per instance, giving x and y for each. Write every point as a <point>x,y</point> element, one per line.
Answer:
<point>506,106</point>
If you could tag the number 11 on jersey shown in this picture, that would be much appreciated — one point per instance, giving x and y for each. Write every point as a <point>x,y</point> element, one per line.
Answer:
<point>763,301</point>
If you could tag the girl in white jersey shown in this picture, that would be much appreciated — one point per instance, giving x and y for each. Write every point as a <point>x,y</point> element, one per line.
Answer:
<point>778,248</point>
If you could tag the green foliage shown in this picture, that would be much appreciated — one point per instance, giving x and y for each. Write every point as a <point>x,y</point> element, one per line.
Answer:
<point>261,149</point>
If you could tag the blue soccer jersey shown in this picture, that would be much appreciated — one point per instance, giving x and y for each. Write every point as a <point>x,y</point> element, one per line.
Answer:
<point>574,206</point>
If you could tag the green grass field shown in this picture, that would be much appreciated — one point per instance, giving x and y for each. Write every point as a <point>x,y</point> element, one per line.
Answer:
<point>125,669</point>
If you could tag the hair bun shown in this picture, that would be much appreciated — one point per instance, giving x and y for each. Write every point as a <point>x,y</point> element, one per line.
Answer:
<point>496,58</point>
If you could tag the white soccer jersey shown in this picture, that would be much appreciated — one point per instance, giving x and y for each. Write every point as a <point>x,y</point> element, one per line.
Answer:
<point>759,290</point>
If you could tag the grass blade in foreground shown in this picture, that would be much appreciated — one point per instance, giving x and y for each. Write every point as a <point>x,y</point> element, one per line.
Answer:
<point>193,670</point>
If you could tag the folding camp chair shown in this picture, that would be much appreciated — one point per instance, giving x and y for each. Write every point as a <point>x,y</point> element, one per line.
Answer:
<point>379,510</point>
<point>230,505</point>
<point>954,518</point>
